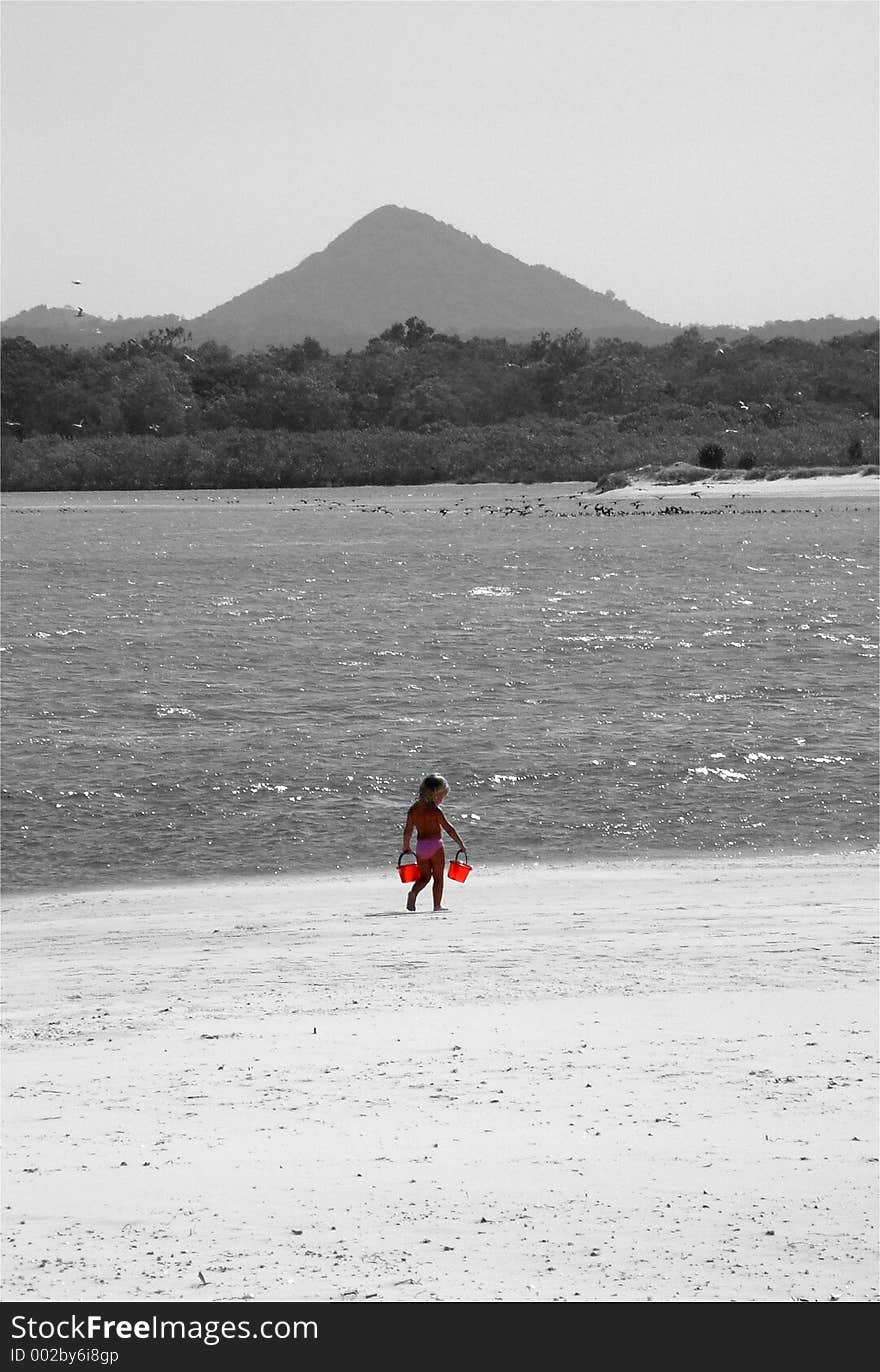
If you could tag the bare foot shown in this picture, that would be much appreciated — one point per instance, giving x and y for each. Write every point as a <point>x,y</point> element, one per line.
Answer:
<point>441,909</point>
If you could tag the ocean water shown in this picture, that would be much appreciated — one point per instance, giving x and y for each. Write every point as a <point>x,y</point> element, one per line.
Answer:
<point>207,684</point>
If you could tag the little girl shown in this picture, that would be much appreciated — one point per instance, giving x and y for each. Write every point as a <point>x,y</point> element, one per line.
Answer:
<point>428,819</point>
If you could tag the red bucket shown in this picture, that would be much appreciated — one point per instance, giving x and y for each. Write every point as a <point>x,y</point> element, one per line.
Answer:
<point>459,871</point>
<point>410,869</point>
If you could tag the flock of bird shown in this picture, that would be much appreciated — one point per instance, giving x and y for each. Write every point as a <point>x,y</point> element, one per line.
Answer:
<point>305,504</point>
<point>585,506</point>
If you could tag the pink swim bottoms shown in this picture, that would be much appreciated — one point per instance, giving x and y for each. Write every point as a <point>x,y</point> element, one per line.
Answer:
<point>427,847</point>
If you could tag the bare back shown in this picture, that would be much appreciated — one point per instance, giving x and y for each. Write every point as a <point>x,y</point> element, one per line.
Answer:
<point>426,817</point>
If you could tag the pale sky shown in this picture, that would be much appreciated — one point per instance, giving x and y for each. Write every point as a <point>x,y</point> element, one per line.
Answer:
<point>714,161</point>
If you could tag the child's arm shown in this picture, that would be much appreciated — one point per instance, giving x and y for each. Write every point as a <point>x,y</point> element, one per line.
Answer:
<point>444,824</point>
<point>410,825</point>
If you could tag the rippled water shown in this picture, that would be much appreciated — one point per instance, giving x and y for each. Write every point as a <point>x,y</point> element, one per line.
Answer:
<point>206,683</point>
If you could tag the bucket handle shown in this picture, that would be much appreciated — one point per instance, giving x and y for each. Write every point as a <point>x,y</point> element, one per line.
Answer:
<point>463,851</point>
<point>410,856</point>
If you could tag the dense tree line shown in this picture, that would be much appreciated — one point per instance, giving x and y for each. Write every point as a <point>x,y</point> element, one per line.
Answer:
<point>158,412</point>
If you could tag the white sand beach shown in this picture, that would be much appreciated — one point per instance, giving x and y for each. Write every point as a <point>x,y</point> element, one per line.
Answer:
<point>784,487</point>
<point>632,1082</point>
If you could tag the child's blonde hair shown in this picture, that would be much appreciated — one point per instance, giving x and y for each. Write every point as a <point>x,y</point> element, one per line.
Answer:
<point>431,785</point>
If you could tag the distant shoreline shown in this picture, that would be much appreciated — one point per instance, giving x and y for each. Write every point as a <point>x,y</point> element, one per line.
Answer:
<point>847,483</point>
<point>641,485</point>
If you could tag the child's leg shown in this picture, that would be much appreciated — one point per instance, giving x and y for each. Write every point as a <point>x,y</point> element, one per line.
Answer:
<point>438,866</point>
<point>420,884</point>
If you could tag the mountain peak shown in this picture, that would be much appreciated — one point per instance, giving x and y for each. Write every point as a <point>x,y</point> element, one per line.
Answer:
<point>390,219</point>
<point>397,262</point>
<point>394,214</point>
<point>390,212</point>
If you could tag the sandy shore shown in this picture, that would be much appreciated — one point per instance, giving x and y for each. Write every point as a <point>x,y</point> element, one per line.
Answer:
<point>863,487</point>
<point>644,1082</point>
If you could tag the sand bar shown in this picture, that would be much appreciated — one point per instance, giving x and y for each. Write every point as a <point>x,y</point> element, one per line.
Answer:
<point>847,485</point>
<point>633,1082</point>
